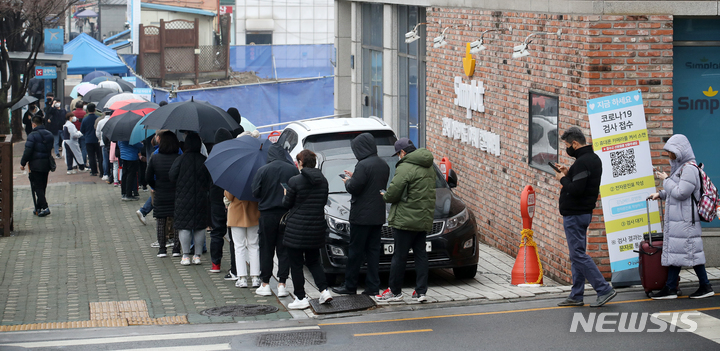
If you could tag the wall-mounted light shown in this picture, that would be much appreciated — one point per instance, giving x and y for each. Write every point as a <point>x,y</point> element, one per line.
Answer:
<point>412,35</point>
<point>522,49</point>
<point>439,41</point>
<point>477,45</point>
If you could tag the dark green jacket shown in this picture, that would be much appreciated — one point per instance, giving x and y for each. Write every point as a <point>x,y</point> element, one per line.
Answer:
<point>412,193</point>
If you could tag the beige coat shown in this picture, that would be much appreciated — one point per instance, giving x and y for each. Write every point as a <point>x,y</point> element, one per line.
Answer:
<point>242,213</point>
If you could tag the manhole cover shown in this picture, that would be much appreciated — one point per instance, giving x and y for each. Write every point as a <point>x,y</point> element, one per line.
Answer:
<point>81,183</point>
<point>343,304</point>
<point>239,310</point>
<point>291,339</point>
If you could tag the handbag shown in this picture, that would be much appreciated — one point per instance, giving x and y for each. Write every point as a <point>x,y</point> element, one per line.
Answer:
<point>284,218</point>
<point>53,165</point>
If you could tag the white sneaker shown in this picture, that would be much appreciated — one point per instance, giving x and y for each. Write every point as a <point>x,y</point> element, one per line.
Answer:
<point>325,297</point>
<point>105,178</point>
<point>69,172</point>
<point>282,291</point>
<point>155,244</point>
<point>196,260</point>
<point>256,282</point>
<point>241,283</point>
<point>264,291</point>
<point>185,261</point>
<point>299,304</point>
<point>141,217</point>
<point>74,171</point>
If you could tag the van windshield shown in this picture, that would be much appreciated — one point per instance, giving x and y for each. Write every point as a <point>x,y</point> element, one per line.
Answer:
<point>321,142</point>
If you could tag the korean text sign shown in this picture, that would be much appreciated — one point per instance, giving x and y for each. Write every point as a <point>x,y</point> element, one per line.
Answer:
<point>620,139</point>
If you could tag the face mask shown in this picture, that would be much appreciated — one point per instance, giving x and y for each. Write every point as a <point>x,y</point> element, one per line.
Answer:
<point>570,151</point>
<point>85,108</point>
<point>74,119</point>
<point>57,105</point>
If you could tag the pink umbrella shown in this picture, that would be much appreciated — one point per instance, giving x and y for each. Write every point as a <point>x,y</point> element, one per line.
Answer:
<point>82,90</point>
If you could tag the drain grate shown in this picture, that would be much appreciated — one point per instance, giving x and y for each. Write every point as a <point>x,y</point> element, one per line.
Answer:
<point>81,183</point>
<point>292,339</point>
<point>344,303</point>
<point>239,310</point>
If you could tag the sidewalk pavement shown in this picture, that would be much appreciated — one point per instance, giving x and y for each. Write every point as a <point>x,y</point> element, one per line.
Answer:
<point>90,264</point>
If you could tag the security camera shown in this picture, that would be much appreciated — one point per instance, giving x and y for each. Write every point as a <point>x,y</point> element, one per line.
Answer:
<point>411,36</point>
<point>439,41</point>
<point>477,46</point>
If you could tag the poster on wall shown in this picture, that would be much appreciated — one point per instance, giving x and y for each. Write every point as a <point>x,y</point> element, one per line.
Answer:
<point>620,139</point>
<point>543,131</point>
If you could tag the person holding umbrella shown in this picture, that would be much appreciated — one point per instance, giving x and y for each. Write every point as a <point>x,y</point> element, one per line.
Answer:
<point>92,145</point>
<point>192,211</point>
<point>267,187</point>
<point>71,145</point>
<point>31,112</point>
<point>158,176</point>
<point>54,119</point>
<point>105,145</point>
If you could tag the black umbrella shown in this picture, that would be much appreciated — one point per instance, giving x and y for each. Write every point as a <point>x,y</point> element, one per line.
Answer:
<point>26,100</point>
<point>97,94</point>
<point>134,106</point>
<point>101,104</point>
<point>120,127</point>
<point>196,116</point>
<point>125,85</point>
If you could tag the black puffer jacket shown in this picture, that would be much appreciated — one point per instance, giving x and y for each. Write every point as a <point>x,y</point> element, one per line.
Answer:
<point>266,184</point>
<point>192,183</point>
<point>38,149</point>
<point>158,177</point>
<point>369,177</point>
<point>306,198</point>
<point>581,185</point>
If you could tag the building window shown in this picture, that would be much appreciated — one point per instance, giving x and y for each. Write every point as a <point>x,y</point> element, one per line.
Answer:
<point>372,64</point>
<point>258,38</point>
<point>411,74</point>
<point>543,131</point>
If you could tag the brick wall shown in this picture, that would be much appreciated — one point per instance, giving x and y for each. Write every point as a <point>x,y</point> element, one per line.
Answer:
<point>595,56</point>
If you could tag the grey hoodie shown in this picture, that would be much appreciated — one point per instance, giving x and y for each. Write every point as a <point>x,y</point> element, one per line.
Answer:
<point>682,245</point>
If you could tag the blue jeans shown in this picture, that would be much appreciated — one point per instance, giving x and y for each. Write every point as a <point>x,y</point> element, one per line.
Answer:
<point>106,160</point>
<point>582,265</point>
<point>147,207</point>
<point>56,143</point>
<point>83,150</point>
<point>674,273</point>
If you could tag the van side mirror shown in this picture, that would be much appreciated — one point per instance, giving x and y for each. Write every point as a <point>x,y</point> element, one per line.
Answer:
<point>452,179</point>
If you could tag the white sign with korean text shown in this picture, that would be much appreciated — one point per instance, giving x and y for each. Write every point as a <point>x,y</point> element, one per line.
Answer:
<point>620,139</point>
<point>470,96</point>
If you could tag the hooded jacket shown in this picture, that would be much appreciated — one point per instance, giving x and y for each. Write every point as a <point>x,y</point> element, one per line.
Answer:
<point>38,149</point>
<point>412,193</point>
<point>306,197</point>
<point>581,185</point>
<point>369,177</point>
<point>192,183</point>
<point>158,177</point>
<point>266,184</point>
<point>87,127</point>
<point>682,244</point>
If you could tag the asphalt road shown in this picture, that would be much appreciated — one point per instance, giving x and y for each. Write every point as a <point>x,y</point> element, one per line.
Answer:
<point>519,325</point>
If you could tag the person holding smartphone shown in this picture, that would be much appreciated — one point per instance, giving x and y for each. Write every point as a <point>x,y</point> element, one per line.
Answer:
<point>367,215</point>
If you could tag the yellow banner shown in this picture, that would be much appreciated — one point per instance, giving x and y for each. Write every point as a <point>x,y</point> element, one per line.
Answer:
<point>627,186</point>
<point>631,222</point>
<point>638,135</point>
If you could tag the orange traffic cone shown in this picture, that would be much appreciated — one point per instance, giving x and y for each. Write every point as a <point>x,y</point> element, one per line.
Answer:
<point>528,268</point>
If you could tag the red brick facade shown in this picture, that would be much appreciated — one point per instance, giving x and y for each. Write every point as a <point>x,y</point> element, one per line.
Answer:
<point>595,56</point>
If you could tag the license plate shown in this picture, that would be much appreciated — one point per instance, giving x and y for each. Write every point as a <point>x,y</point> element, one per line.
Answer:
<point>389,249</point>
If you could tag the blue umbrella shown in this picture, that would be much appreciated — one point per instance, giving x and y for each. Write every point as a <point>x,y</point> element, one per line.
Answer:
<point>97,80</point>
<point>233,164</point>
<point>139,133</point>
<point>94,74</point>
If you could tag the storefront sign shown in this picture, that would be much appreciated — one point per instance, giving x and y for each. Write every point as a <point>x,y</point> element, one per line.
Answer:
<point>131,80</point>
<point>45,72</point>
<point>476,137</point>
<point>620,139</point>
<point>469,96</point>
<point>54,39</point>
<point>225,9</point>
<point>145,93</point>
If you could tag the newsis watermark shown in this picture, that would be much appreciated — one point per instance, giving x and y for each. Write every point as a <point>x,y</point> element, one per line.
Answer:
<point>633,322</point>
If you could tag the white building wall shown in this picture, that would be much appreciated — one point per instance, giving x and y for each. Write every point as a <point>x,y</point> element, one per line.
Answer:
<point>293,21</point>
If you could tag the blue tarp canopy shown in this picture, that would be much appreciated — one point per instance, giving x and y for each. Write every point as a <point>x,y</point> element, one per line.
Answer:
<point>91,55</point>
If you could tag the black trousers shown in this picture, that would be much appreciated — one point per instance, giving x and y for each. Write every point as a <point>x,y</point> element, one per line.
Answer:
<point>39,180</point>
<point>141,175</point>
<point>129,177</point>
<point>271,243</point>
<point>69,157</point>
<point>404,241</point>
<point>233,268</point>
<point>94,154</point>
<point>364,246</point>
<point>218,217</point>
<point>311,259</point>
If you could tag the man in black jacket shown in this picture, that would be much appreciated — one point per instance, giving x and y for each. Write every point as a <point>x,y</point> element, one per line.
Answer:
<point>54,120</point>
<point>266,187</point>
<point>367,215</point>
<point>37,153</point>
<point>579,193</point>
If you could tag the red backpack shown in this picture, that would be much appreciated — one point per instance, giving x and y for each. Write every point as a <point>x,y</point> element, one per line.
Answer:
<point>708,201</point>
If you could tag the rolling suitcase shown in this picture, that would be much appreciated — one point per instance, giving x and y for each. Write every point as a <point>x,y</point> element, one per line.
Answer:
<point>653,274</point>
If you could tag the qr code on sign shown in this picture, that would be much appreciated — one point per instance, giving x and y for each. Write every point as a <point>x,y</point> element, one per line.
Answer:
<point>623,162</point>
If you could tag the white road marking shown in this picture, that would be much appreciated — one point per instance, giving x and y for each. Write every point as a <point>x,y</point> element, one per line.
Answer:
<point>708,326</point>
<point>141,338</point>
<point>215,347</point>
